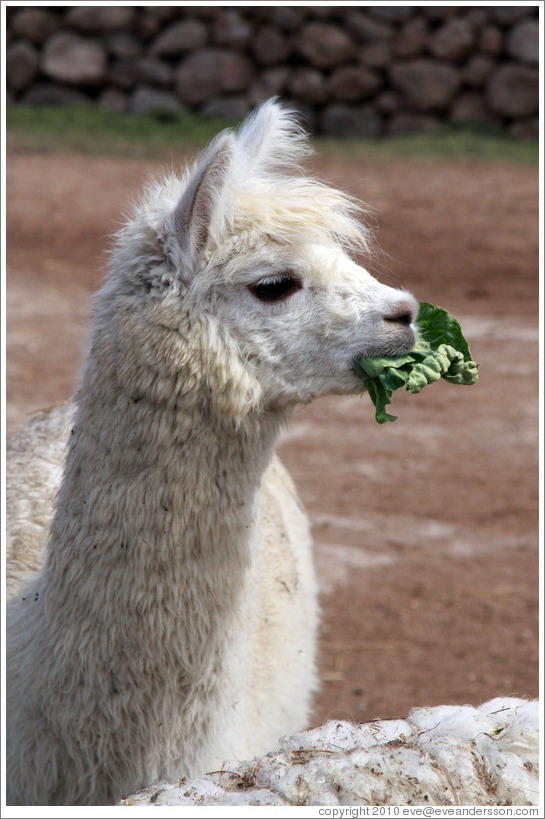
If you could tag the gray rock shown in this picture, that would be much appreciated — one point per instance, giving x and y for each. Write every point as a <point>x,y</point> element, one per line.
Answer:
<point>270,83</point>
<point>353,83</point>
<point>477,70</point>
<point>325,45</point>
<point>114,101</point>
<point>123,74</point>
<point>21,65</point>
<point>350,121</point>
<point>72,59</point>
<point>210,72</point>
<point>146,100</point>
<point>453,41</point>
<point>202,12</point>
<point>412,38</point>
<point>35,24</point>
<point>309,85</point>
<point>232,30</point>
<point>513,91</point>
<point>366,30</point>
<point>525,129</point>
<point>438,13</point>
<point>287,18</point>
<point>270,47</point>
<point>180,38</point>
<point>146,27</point>
<point>326,12</point>
<point>387,103</point>
<point>405,122</point>
<point>376,55</point>
<point>53,94</point>
<point>490,40</point>
<point>468,107</point>
<point>233,107</point>
<point>97,19</point>
<point>163,14</point>
<point>123,46</point>
<point>152,71</point>
<point>275,79</point>
<point>391,14</point>
<point>523,42</point>
<point>476,17</point>
<point>507,15</point>
<point>427,84</point>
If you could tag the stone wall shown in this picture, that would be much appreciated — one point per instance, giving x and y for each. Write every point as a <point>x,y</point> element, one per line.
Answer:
<point>354,71</point>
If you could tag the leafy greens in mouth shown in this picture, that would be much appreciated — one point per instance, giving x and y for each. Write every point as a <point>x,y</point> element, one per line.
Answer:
<point>441,352</point>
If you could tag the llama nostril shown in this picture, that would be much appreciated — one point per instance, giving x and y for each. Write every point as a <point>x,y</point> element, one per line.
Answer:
<point>402,315</point>
<point>402,318</point>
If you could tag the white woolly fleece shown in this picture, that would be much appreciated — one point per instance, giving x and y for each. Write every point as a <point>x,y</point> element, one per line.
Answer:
<point>449,755</point>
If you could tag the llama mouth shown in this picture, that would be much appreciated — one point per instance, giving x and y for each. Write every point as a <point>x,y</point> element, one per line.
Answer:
<point>393,349</point>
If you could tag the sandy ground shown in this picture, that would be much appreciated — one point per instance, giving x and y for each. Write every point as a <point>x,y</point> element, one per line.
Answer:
<point>425,529</point>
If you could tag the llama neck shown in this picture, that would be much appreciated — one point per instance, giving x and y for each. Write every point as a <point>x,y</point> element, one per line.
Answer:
<point>157,517</point>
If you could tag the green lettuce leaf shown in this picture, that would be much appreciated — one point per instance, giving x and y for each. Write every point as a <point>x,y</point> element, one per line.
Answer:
<point>441,352</point>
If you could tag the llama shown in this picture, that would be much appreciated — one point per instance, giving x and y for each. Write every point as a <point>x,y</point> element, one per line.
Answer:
<point>172,623</point>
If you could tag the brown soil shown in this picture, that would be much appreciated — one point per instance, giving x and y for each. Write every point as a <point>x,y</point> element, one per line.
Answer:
<point>425,529</point>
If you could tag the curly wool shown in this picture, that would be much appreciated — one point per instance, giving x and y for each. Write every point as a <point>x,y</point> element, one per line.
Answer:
<point>448,755</point>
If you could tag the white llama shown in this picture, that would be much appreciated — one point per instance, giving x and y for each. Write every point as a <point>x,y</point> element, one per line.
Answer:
<point>172,624</point>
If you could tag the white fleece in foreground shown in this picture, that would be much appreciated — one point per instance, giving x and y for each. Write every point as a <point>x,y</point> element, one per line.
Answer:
<point>448,755</point>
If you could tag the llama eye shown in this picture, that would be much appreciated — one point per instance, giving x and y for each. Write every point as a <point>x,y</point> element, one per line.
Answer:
<point>275,289</point>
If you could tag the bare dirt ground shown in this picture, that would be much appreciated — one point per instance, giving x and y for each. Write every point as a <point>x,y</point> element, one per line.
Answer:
<point>425,529</point>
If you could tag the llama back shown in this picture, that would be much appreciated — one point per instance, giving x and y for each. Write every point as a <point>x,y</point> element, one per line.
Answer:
<point>34,462</point>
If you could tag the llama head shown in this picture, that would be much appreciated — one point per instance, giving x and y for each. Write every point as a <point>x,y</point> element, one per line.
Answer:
<point>243,268</point>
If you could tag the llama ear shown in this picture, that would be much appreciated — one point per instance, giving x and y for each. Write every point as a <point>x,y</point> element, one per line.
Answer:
<point>199,209</point>
<point>272,139</point>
